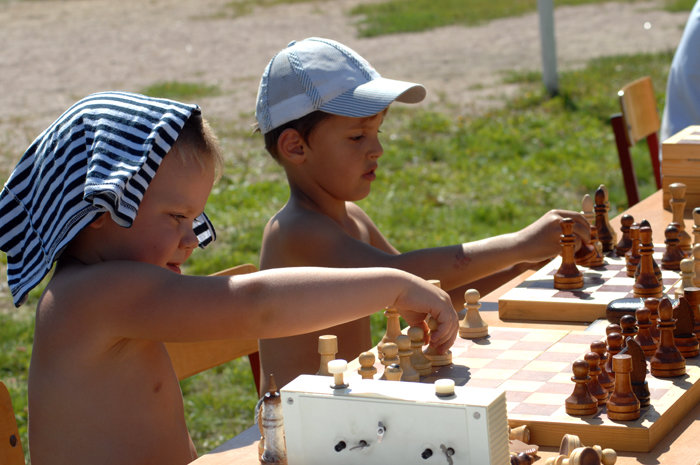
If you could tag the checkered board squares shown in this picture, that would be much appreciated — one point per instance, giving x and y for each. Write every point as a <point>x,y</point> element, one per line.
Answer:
<point>537,299</point>
<point>533,367</point>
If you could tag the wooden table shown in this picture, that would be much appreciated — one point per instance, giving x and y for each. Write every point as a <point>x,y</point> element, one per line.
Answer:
<point>680,446</point>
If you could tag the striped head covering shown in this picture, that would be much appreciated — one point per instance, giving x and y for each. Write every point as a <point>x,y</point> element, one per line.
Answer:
<point>99,156</point>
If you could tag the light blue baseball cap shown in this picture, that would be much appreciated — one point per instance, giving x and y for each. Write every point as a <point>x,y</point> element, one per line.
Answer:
<point>322,74</point>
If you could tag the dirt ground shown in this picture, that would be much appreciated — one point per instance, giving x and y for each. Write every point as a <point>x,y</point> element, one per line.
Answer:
<point>54,52</point>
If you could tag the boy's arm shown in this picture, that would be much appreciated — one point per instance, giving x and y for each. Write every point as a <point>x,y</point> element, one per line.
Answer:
<point>139,301</point>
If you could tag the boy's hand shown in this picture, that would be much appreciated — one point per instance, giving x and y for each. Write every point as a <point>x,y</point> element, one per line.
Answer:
<point>421,298</point>
<point>541,238</point>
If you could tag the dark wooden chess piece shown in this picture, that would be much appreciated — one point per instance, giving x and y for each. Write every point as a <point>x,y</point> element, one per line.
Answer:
<point>652,303</point>
<point>692,295</point>
<point>677,204</point>
<point>657,269</point>
<point>598,259</point>
<point>628,324</point>
<point>632,256</point>
<point>683,335</point>
<point>643,337</point>
<point>671,259</point>
<point>594,371</point>
<point>625,242</point>
<point>623,405</point>
<point>667,361</point>
<point>638,374</point>
<point>600,348</point>
<point>580,402</point>
<point>568,276</point>
<point>602,222</point>
<point>615,345</point>
<point>646,283</point>
<point>613,328</point>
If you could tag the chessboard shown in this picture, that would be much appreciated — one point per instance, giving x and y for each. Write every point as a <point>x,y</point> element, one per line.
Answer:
<point>537,299</point>
<point>534,368</point>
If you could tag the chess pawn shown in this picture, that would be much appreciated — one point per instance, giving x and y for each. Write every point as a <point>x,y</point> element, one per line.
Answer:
<point>677,204</point>
<point>403,342</point>
<point>327,348</point>
<point>625,240</point>
<point>580,402</point>
<point>391,357</point>
<point>615,345</point>
<point>667,361</point>
<point>623,404</point>
<point>271,448</point>
<point>594,387</point>
<point>367,369</point>
<point>638,373</point>
<point>628,326</point>
<point>683,336</point>
<point>472,326</point>
<point>583,456</point>
<point>521,433</point>
<point>632,256</point>
<point>393,372</point>
<point>436,359</point>
<point>604,378</point>
<point>692,295</point>
<point>419,361</point>
<point>652,303</point>
<point>646,283</point>
<point>643,337</point>
<point>602,222</point>
<point>671,259</point>
<point>687,274</point>
<point>393,329</point>
<point>589,214</point>
<point>568,275</point>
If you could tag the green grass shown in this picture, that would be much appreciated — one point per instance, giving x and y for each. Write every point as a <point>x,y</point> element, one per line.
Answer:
<point>180,90</point>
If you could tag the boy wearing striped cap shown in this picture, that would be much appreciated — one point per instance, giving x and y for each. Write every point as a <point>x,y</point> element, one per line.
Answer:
<point>113,192</point>
<point>320,107</point>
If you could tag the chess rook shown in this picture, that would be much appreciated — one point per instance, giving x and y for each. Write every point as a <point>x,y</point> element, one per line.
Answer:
<point>623,405</point>
<point>568,276</point>
<point>327,348</point>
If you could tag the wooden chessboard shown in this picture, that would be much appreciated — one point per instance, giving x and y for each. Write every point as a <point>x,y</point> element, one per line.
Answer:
<point>537,299</point>
<point>533,367</point>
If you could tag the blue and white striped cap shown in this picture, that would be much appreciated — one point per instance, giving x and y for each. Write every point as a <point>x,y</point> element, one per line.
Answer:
<point>99,156</point>
<point>322,74</point>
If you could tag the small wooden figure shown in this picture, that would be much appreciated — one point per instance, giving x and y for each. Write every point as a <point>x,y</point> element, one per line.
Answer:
<point>409,373</point>
<point>623,404</point>
<point>604,378</point>
<point>327,348</point>
<point>643,337</point>
<point>639,372</point>
<point>594,387</point>
<point>580,402</point>
<point>625,242</point>
<point>683,335</point>
<point>271,448</point>
<point>419,361</point>
<point>671,259</point>
<point>667,361</point>
<point>367,369</point>
<point>472,326</point>
<point>632,256</point>
<point>606,234</point>
<point>652,303</point>
<point>393,329</point>
<point>568,276</point>
<point>677,204</point>
<point>646,283</point>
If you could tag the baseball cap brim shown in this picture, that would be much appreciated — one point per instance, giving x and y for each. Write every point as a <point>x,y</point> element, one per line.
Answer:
<point>373,97</point>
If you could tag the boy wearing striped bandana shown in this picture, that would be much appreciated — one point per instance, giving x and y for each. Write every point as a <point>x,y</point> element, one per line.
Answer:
<point>113,192</point>
<point>320,107</point>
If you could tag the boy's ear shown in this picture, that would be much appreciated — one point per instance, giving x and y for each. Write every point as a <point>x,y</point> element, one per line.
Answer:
<point>290,146</point>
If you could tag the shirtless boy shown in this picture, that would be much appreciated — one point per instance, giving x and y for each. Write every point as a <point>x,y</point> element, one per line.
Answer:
<point>97,192</point>
<point>320,108</point>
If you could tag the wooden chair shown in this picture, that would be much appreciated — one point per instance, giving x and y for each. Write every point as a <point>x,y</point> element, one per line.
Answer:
<point>190,358</point>
<point>11,452</point>
<point>639,120</point>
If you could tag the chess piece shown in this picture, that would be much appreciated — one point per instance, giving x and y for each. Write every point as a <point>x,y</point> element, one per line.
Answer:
<point>632,256</point>
<point>657,268</point>
<point>683,335</point>
<point>696,225</point>
<point>677,204</point>
<point>580,402</point>
<point>589,214</point>
<point>623,405</point>
<point>638,373</point>
<point>337,369</point>
<point>436,359</point>
<point>393,372</point>
<point>272,448</point>
<point>647,283</point>
<point>327,348</point>
<point>687,274</point>
<point>625,242</point>
<point>472,326</point>
<point>643,337</point>
<point>671,259</point>
<point>692,295</point>
<point>695,253</point>
<point>602,221</point>
<point>391,357</point>
<point>367,369</point>
<point>521,433</point>
<point>667,361</point>
<point>604,378</point>
<point>583,456</point>
<point>521,458</point>
<point>409,373</point>
<point>613,328</point>
<point>419,361</point>
<point>652,303</point>
<point>569,442</point>
<point>615,345</point>
<point>568,275</point>
<point>608,456</point>
<point>628,326</point>
<point>594,371</point>
<point>393,329</point>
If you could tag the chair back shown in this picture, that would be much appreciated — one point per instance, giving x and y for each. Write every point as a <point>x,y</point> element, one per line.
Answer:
<point>11,452</point>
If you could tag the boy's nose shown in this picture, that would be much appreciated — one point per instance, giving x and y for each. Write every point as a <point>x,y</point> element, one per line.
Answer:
<point>189,240</point>
<point>377,150</point>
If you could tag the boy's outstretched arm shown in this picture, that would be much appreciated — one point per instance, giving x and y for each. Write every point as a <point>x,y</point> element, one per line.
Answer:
<point>140,301</point>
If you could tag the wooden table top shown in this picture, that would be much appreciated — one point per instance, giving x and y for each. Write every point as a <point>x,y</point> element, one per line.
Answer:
<point>678,447</point>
